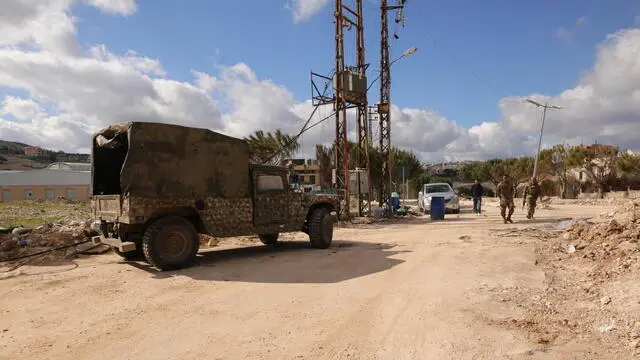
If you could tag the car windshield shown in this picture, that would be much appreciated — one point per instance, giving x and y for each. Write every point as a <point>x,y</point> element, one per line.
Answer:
<point>437,189</point>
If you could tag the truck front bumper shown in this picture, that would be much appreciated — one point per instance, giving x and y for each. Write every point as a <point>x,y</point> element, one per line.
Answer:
<point>122,246</point>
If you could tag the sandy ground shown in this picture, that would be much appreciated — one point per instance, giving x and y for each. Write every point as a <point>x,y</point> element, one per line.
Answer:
<point>411,290</point>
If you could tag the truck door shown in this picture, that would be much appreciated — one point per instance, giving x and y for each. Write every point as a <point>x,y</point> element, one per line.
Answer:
<point>271,200</point>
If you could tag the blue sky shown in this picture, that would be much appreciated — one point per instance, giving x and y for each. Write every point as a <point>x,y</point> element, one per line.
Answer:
<point>65,70</point>
<point>471,53</point>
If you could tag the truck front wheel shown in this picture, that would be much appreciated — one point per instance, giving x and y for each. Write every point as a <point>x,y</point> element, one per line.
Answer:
<point>171,242</point>
<point>320,228</point>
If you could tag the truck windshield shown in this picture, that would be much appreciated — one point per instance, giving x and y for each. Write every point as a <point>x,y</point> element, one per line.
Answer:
<point>437,189</point>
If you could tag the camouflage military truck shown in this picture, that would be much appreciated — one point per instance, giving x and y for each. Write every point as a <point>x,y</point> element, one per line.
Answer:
<point>156,187</point>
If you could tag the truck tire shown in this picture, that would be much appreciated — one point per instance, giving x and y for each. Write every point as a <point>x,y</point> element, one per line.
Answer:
<point>170,243</point>
<point>269,239</point>
<point>320,228</point>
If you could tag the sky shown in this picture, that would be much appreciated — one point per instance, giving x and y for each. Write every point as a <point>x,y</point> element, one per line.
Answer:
<point>71,67</point>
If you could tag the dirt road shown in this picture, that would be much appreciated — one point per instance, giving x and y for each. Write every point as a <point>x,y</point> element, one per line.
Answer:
<point>414,290</point>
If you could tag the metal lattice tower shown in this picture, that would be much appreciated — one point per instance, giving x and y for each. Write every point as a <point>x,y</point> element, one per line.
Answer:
<point>362,152</point>
<point>384,107</point>
<point>346,17</point>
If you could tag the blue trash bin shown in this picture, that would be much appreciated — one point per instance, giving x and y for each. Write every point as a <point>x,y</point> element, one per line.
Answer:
<point>437,208</point>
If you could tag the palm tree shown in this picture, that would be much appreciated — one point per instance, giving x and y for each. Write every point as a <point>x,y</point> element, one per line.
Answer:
<point>272,148</point>
<point>325,157</point>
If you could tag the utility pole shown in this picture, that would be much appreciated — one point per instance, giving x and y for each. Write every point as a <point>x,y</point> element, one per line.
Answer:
<point>544,115</point>
<point>362,152</point>
<point>384,107</point>
<point>373,113</point>
<point>349,91</point>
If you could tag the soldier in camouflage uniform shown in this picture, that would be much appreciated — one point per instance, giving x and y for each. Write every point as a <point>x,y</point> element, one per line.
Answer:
<point>506,191</point>
<point>531,195</point>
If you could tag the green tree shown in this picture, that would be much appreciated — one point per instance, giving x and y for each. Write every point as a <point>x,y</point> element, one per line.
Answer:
<point>272,148</point>
<point>554,161</point>
<point>497,168</point>
<point>480,170</point>
<point>598,163</point>
<point>628,166</point>
<point>522,168</point>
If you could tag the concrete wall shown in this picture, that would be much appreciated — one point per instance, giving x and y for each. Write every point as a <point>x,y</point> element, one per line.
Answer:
<point>632,194</point>
<point>74,192</point>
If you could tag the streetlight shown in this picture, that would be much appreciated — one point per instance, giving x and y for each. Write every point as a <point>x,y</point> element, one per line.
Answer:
<point>544,114</point>
<point>407,52</point>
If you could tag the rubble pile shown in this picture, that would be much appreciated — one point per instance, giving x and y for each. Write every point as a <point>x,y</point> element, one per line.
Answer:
<point>589,295</point>
<point>21,241</point>
<point>613,245</point>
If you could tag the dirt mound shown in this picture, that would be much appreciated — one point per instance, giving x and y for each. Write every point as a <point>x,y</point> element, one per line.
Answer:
<point>588,296</point>
<point>26,241</point>
<point>611,247</point>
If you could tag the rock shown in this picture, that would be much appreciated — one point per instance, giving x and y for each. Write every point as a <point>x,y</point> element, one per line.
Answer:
<point>627,247</point>
<point>8,244</point>
<point>571,249</point>
<point>21,230</point>
<point>606,328</point>
<point>605,300</point>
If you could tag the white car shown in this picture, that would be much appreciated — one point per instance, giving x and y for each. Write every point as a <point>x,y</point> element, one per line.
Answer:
<point>439,189</point>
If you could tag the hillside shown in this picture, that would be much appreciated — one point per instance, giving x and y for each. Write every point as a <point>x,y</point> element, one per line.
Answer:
<point>12,157</point>
<point>10,147</point>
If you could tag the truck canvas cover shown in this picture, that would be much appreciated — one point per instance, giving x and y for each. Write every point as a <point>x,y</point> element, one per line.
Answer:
<point>164,160</point>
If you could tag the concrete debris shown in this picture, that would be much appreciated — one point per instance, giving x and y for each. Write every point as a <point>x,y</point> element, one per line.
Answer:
<point>605,300</point>
<point>606,328</point>
<point>25,241</point>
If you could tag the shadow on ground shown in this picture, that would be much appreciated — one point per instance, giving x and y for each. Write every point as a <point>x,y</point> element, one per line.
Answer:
<point>535,220</point>
<point>288,262</point>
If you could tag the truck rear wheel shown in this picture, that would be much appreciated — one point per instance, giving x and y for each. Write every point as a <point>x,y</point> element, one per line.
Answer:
<point>269,239</point>
<point>171,243</point>
<point>320,228</point>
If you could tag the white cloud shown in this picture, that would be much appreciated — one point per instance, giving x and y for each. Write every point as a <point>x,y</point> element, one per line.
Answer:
<point>73,93</point>
<point>45,24</point>
<point>564,33</point>
<point>304,9</point>
<point>21,109</point>
<point>123,7</point>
